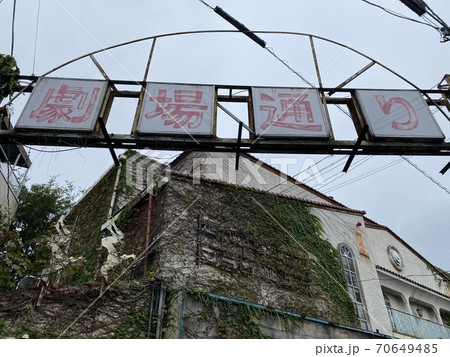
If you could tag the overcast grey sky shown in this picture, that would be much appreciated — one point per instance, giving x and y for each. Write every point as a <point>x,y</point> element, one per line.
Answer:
<point>398,196</point>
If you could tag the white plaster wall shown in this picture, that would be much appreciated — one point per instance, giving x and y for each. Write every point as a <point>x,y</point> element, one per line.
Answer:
<point>340,228</point>
<point>221,166</point>
<point>415,268</point>
<point>396,301</point>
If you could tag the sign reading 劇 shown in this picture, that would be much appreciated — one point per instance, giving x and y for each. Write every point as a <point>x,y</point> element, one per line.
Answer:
<point>63,104</point>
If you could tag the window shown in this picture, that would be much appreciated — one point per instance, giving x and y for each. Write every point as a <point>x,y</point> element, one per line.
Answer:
<point>353,288</point>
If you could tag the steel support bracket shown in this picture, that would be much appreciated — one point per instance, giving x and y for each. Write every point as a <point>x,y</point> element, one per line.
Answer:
<point>361,136</point>
<point>238,146</point>
<point>445,169</point>
<point>108,141</point>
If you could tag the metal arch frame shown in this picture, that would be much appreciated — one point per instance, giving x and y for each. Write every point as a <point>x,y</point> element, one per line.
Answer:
<point>291,33</point>
<point>242,145</point>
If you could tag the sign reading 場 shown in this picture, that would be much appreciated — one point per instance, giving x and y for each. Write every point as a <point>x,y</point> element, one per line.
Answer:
<point>177,109</point>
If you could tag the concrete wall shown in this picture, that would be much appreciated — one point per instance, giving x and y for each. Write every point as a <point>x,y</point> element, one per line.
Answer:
<point>189,318</point>
<point>221,166</point>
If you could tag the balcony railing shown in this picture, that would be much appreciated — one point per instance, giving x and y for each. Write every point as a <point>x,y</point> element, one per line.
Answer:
<point>415,326</point>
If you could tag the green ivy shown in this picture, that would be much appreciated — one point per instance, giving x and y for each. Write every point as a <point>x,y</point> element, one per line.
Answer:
<point>133,325</point>
<point>13,260</point>
<point>446,319</point>
<point>306,231</point>
<point>274,241</point>
<point>9,73</point>
<point>234,320</point>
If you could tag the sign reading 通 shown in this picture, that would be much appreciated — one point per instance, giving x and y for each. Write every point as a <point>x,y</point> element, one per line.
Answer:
<point>398,114</point>
<point>177,109</point>
<point>289,112</point>
<point>63,104</point>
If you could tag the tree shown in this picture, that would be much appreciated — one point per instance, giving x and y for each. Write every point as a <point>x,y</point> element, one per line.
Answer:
<point>13,260</point>
<point>40,206</point>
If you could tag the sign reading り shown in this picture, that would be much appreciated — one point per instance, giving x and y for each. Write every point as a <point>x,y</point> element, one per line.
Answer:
<point>177,109</point>
<point>63,104</point>
<point>398,114</point>
<point>292,112</point>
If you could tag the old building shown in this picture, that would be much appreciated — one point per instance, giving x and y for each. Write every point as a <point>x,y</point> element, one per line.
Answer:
<point>200,250</point>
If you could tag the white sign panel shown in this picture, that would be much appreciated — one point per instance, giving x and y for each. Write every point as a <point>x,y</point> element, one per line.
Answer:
<point>177,109</point>
<point>289,112</point>
<point>63,104</point>
<point>398,114</point>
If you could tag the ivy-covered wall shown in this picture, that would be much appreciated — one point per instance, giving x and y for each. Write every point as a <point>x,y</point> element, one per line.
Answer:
<point>196,314</point>
<point>250,245</point>
<point>232,241</point>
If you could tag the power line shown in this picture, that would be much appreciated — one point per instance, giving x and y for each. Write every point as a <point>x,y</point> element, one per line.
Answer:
<point>50,151</point>
<point>363,176</point>
<point>36,36</point>
<point>393,13</point>
<point>426,174</point>
<point>341,174</point>
<point>13,25</point>
<point>300,172</point>
<point>430,18</point>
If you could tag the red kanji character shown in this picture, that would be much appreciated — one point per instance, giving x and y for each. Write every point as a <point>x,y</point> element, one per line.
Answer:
<point>185,110</point>
<point>292,105</point>
<point>60,104</point>
<point>413,120</point>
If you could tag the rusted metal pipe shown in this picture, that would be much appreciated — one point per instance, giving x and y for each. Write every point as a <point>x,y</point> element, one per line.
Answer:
<point>147,233</point>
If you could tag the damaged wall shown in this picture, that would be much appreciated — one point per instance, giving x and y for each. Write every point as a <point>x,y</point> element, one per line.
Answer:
<point>123,312</point>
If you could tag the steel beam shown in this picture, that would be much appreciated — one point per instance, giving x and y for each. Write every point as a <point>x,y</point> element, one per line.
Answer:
<point>262,145</point>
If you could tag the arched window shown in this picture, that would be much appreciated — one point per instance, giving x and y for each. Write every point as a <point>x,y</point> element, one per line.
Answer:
<point>353,288</point>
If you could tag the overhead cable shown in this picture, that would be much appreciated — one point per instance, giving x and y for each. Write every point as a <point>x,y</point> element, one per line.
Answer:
<point>13,25</point>
<point>242,28</point>
<point>426,174</point>
<point>36,36</point>
<point>421,8</point>
<point>363,176</point>
<point>393,13</point>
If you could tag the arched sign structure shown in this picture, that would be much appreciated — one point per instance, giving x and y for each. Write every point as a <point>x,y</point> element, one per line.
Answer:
<point>183,116</point>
